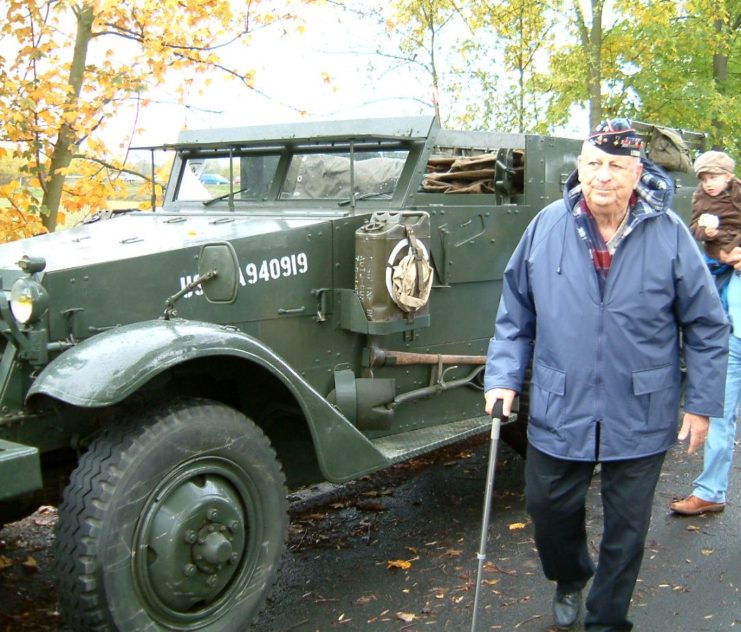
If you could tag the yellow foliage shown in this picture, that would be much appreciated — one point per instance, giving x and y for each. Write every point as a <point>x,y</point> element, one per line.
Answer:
<point>20,215</point>
<point>41,101</point>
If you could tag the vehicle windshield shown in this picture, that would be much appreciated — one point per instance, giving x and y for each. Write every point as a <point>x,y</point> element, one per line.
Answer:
<point>309,176</point>
<point>204,178</point>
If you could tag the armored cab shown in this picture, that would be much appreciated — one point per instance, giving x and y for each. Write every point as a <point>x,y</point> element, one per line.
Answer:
<point>312,302</point>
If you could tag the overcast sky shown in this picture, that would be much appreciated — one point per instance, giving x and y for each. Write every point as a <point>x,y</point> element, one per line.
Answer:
<point>289,78</point>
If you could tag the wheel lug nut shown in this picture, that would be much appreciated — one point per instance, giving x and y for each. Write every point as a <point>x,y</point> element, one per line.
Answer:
<point>233,558</point>
<point>211,514</point>
<point>234,525</point>
<point>190,536</point>
<point>190,570</point>
<point>211,580</point>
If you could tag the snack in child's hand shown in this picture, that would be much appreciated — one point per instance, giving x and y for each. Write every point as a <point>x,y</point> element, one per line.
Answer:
<point>707,220</point>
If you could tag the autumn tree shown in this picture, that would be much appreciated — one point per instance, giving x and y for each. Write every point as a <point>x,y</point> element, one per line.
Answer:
<point>70,64</point>
<point>580,62</point>
<point>682,66</point>
<point>677,63</point>
<point>509,42</point>
<point>415,41</point>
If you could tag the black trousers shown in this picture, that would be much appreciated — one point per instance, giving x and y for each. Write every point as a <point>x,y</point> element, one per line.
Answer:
<point>555,492</point>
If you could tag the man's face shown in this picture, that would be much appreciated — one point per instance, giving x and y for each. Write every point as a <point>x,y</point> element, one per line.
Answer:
<point>607,180</point>
<point>715,183</point>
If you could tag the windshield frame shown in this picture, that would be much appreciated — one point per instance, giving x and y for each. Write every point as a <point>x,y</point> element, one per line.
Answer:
<point>285,153</point>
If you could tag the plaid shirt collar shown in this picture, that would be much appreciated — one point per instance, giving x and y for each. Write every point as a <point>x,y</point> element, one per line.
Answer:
<point>589,233</point>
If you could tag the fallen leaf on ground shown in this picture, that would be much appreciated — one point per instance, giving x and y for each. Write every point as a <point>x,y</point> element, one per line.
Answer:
<point>408,617</point>
<point>517,525</point>
<point>29,562</point>
<point>403,564</point>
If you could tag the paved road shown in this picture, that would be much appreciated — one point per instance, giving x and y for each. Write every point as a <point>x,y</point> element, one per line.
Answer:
<point>397,551</point>
<point>690,578</point>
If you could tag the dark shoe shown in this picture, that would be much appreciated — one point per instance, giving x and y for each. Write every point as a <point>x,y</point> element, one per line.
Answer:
<point>566,609</point>
<point>694,506</point>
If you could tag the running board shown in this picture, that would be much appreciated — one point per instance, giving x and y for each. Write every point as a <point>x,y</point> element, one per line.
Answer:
<point>406,445</point>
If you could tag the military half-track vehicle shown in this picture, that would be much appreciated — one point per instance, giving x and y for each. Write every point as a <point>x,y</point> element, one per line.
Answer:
<point>312,302</point>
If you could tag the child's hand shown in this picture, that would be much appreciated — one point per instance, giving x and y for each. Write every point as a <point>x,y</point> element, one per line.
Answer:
<point>708,221</point>
<point>711,233</point>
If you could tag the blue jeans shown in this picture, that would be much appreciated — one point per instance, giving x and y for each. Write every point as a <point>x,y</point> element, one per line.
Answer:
<point>712,484</point>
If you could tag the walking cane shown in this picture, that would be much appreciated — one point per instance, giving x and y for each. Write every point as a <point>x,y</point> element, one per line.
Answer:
<point>496,424</point>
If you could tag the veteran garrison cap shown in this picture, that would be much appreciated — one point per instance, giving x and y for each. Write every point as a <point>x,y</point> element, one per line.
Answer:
<point>616,136</point>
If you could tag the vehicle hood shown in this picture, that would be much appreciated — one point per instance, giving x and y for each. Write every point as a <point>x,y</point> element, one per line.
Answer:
<point>139,234</point>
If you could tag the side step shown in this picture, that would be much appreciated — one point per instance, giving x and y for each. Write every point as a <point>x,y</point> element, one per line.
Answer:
<point>406,445</point>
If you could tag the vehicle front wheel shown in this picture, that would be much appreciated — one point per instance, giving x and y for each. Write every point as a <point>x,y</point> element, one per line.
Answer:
<point>173,520</point>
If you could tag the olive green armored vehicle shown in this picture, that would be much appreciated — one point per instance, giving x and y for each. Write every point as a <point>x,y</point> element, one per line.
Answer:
<point>312,302</point>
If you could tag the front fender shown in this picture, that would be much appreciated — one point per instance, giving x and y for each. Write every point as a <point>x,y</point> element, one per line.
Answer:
<point>107,368</point>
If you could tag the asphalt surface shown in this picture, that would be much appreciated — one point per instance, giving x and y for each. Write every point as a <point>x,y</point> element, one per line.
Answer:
<point>397,551</point>
<point>690,579</point>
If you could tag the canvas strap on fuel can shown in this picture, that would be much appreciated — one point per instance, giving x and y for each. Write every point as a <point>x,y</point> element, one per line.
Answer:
<point>412,277</point>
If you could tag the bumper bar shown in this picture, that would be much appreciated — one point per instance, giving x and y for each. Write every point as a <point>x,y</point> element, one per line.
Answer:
<point>20,469</point>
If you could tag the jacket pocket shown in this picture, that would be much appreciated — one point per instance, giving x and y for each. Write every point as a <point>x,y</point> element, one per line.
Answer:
<point>655,389</point>
<point>548,386</point>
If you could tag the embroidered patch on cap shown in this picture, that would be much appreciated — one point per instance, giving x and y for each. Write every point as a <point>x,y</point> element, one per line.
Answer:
<point>617,137</point>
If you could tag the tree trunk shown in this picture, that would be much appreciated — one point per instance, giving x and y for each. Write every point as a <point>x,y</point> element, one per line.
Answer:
<point>433,70</point>
<point>66,139</point>
<point>591,42</point>
<point>594,65</point>
<point>720,78</point>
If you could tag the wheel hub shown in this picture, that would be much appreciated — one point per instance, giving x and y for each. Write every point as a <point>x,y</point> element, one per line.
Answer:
<point>194,541</point>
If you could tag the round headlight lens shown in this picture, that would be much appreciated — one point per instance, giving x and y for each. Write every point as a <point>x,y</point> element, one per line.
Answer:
<point>27,300</point>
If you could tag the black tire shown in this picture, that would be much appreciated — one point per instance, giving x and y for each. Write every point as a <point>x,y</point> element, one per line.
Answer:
<point>173,520</point>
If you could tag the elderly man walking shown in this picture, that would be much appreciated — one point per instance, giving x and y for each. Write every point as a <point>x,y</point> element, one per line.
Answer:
<point>596,294</point>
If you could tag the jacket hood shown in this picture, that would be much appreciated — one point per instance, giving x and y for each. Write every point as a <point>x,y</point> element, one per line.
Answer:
<point>655,188</point>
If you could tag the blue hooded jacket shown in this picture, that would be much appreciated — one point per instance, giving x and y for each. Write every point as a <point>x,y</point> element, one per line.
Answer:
<point>606,368</point>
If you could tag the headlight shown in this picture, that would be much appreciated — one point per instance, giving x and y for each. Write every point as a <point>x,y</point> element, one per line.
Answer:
<point>28,300</point>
